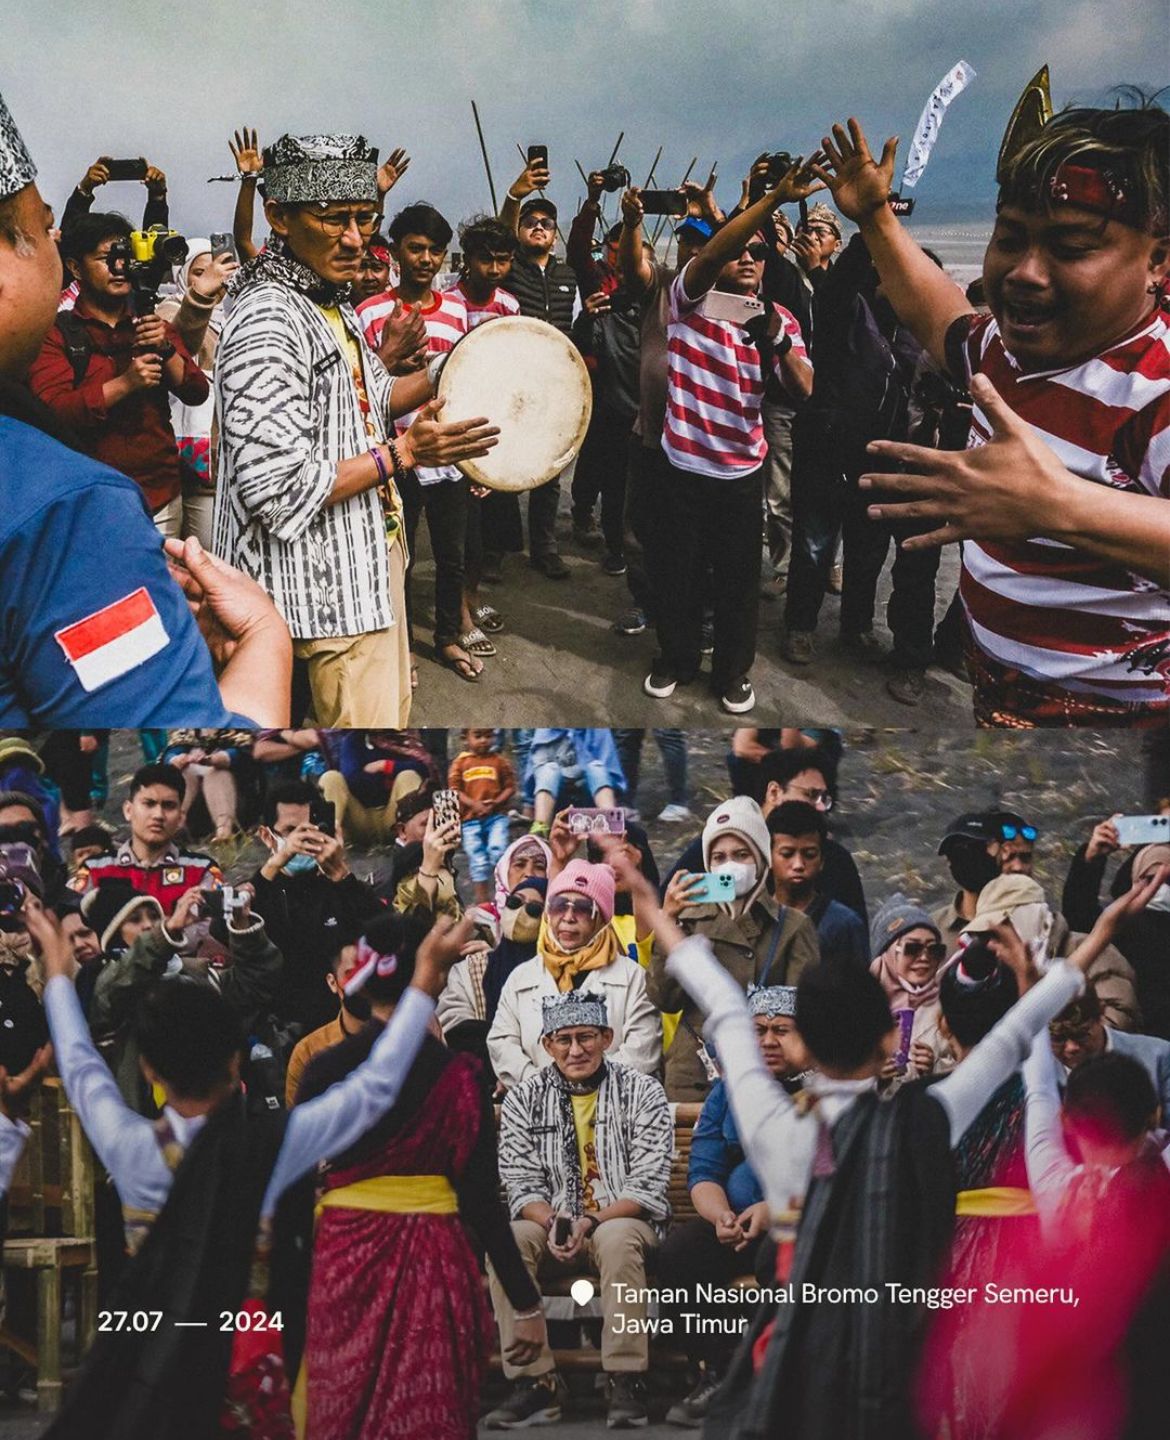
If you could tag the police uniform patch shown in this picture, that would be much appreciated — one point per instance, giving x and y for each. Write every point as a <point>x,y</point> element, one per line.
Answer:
<point>173,875</point>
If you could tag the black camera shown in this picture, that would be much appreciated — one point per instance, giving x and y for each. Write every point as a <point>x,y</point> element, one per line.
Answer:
<point>615,177</point>
<point>779,164</point>
<point>146,260</point>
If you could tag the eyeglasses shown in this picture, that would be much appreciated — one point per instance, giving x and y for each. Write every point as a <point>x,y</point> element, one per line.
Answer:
<point>565,1040</point>
<point>814,796</point>
<point>531,907</point>
<point>934,950</point>
<point>1018,832</point>
<point>539,222</point>
<point>335,225</point>
<point>570,905</point>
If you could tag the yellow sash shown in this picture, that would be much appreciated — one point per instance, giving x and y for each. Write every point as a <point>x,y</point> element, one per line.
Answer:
<point>996,1201</point>
<point>396,1195</point>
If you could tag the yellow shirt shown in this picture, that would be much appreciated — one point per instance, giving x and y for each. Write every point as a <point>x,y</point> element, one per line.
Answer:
<point>625,927</point>
<point>585,1121</point>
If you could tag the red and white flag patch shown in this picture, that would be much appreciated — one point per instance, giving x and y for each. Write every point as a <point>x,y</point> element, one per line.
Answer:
<point>113,641</point>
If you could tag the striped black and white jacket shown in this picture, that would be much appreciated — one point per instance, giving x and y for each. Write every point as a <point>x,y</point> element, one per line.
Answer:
<point>634,1142</point>
<point>288,413</point>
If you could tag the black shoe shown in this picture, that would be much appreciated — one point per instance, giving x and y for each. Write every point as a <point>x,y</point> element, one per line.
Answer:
<point>739,697</point>
<point>535,1400</point>
<point>691,1412</point>
<point>614,564</point>
<point>707,638</point>
<point>627,1402</point>
<point>633,622</point>
<point>907,686</point>
<point>586,533</point>
<point>551,566</point>
<point>661,683</point>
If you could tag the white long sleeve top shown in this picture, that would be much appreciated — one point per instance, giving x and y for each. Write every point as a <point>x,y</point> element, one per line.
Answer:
<point>127,1143</point>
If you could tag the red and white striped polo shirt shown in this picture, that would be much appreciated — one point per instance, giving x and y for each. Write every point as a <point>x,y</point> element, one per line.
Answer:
<point>500,304</point>
<point>1077,622</point>
<point>714,390</point>
<point>445,318</point>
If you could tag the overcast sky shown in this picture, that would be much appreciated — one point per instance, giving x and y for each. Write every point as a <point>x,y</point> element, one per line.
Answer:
<point>721,80</point>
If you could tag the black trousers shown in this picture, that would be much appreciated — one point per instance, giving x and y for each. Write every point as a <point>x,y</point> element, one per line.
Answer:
<point>445,505</point>
<point>703,525</point>
<point>818,490</point>
<point>690,1256</point>
<point>910,609</point>
<point>502,530</point>
<point>601,470</point>
<point>639,519</point>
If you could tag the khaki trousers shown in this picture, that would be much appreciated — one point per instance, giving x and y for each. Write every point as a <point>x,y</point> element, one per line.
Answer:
<point>616,1251</point>
<point>362,682</point>
<point>359,824</point>
<point>169,520</point>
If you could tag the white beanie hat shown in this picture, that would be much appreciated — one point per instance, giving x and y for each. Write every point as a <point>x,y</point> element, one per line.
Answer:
<point>738,816</point>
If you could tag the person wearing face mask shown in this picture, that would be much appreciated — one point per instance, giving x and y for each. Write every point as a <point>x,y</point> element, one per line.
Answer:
<point>909,952</point>
<point>527,857</point>
<point>968,848</point>
<point>475,985</point>
<point>577,951</point>
<point>1019,899</point>
<point>1146,943</point>
<point>756,940</point>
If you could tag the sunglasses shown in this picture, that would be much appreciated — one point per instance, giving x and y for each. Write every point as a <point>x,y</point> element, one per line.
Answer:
<point>570,905</point>
<point>539,222</point>
<point>531,907</point>
<point>1018,832</point>
<point>758,250</point>
<point>934,950</point>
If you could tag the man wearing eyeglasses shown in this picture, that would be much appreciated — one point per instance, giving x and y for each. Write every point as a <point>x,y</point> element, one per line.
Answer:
<point>308,501</point>
<point>546,288</point>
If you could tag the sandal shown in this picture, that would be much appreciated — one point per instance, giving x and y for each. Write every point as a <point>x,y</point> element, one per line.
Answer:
<point>488,618</point>
<point>475,642</point>
<point>461,665</point>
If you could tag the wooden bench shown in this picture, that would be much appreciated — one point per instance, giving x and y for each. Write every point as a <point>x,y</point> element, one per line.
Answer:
<point>51,1234</point>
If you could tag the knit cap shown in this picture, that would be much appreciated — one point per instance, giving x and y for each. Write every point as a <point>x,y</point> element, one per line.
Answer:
<point>896,918</point>
<point>596,882</point>
<point>110,904</point>
<point>738,816</point>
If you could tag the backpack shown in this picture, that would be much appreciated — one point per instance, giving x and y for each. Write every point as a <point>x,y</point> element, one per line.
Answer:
<point>78,348</point>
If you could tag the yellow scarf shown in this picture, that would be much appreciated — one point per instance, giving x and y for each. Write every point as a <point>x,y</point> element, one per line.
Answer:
<point>601,951</point>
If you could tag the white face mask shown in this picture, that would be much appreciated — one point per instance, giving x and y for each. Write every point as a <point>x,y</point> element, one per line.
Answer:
<point>744,876</point>
<point>1161,900</point>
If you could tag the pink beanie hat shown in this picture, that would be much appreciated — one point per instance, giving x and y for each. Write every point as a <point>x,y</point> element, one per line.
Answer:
<point>580,878</point>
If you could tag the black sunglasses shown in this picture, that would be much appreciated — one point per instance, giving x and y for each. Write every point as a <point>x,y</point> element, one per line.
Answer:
<point>758,250</point>
<point>531,907</point>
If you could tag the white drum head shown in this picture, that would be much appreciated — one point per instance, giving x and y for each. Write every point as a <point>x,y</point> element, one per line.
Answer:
<point>528,379</point>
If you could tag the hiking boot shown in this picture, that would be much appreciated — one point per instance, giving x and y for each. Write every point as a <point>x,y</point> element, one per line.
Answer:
<point>633,622</point>
<point>797,647</point>
<point>535,1400</point>
<point>551,566</point>
<point>691,1412</point>
<point>627,1402</point>
<point>739,697</point>
<point>907,686</point>
<point>586,533</point>
<point>614,564</point>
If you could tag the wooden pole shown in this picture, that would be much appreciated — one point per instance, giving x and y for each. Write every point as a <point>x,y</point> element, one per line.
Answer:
<point>486,162</point>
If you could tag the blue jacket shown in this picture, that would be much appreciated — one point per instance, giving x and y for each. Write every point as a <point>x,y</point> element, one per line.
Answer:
<point>717,1155</point>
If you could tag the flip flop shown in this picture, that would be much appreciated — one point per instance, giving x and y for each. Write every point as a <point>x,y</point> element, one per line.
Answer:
<point>463,666</point>
<point>475,642</point>
<point>488,618</point>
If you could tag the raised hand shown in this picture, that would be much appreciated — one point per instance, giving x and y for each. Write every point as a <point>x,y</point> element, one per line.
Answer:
<point>213,283</point>
<point>859,184</point>
<point>1104,839</point>
<point>439,950</point>
<point>532,177</point>
<point>802,179</point>
<point>47,935</point>
<point>391,170</point>
<point>632,208</point>
<point>594,186</point>
<point>246,152</point>
<point>155,181</point>
<point>97,174</point>
<point>1123,909</point>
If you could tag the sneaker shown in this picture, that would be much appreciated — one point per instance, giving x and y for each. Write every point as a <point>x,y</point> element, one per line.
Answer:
<point>692,1411</point>
<point>863,643</point>
<point>660,684</point>
<point>586,533</point>
<point>739,697</point>
<point>551,566</point>
<point>907,686</point>
<point>797,647</point>
<point>675,815</point>
<point>633,622</point>
<point>627,1402</point>
<point>614,564</point>
<point>535,1400</point>
<point>707,638</point>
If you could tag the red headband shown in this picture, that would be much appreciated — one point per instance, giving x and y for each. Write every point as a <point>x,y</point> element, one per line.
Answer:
<point>379,252</point>
<point>1101,191</point>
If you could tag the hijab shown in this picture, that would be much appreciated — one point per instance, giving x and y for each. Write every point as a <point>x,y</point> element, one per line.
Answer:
<point>510,953</point>
<point>503,890</point>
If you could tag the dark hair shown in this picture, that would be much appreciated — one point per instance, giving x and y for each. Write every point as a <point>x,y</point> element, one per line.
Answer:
<point>842,1013</point>
<point>783,766</point>
<point>157,774</point>
<point>1130,144</point>
<point>288,792</point>
<point>401,935</point>
<point>974,999</point>
<point>83,235</point>
<point>71,905</point>
<point>91,835</point>
<point>420,219</point>
<point>1084,1010</point>
<point>796,817</point>
<point>1110,1098</point>
<point>189,1034</point>
<point>486,235</point>
<point>413,804</point>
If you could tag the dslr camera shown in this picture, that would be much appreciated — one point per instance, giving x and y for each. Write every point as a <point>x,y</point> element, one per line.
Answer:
<point>615,177</point>
<point>146,260</point>
<point>779,163</point>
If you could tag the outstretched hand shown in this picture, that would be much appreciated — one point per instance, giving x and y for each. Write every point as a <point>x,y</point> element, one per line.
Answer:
<point>802,179</point>
<point>860,185</point>
<point>228,605</point>
<point>392,169</point>
<point>1115,916</point>
<point>246,152</point>
<point>431,442</point>
<point>49,938</point>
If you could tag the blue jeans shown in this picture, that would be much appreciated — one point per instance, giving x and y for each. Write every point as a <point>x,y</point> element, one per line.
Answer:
<point>548,775</point>
<point>485,839</point>
<point>672,746</point>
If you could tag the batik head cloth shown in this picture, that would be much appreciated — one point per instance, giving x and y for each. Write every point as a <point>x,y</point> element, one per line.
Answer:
<point>16,167</point>
<point>559,1012</point>
<point>308,169</point>
<point>771,1000</point>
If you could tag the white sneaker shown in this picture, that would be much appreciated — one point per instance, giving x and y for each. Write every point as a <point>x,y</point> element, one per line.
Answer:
<point>675,815</point>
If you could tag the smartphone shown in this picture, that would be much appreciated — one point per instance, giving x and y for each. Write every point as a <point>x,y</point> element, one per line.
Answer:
<point>223,244</point>
<point>127,169</point>
<point>664,202</point>
<point>562,1229</point>
<point>212,903</point>
<point>538,156</point>
<point>586,820</point>
<point>323,814</point>
<point>715,890</point>
<point>732,309</point>
<point>905,1021</point>
<point>1143,829</point>
<point>445,804</point>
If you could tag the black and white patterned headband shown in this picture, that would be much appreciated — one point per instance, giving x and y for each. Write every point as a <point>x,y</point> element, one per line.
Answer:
<point>307,169</point>
<point>16,167</point>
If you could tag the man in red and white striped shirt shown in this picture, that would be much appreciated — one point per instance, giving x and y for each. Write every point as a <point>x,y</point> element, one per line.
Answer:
<point>488,247</point>
<point>1061,496</point>
<point>419,237</point>
<point>707,493</point>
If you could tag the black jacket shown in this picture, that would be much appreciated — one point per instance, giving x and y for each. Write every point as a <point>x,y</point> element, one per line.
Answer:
<point>546,294</point>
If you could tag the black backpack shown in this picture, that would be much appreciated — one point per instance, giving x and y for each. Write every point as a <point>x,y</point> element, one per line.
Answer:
<point>78,347</point>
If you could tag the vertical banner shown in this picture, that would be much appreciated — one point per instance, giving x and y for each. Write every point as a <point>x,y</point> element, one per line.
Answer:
<point>953,83</point>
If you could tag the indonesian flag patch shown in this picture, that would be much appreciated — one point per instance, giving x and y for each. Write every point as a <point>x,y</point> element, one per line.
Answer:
<point>113,641</point>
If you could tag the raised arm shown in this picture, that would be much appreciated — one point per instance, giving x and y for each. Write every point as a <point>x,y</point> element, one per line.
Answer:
<point>1050,1166</point>
<point>249,162</point>
<point>637,272</point>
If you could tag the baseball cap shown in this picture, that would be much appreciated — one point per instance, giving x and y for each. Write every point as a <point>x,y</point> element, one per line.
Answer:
<point>546,207</point>
<point>699,227</point>
<point>973,825</point>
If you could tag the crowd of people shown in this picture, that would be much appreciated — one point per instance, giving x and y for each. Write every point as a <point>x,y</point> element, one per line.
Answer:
<point>891,1097</point>
<point>768,398</point>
